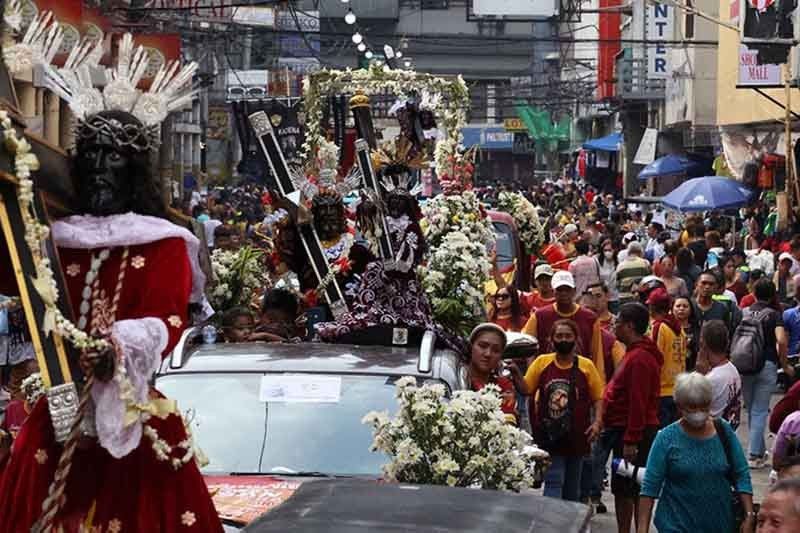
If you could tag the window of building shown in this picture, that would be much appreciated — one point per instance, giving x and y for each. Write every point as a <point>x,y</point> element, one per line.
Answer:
<point>435,4</point>
<point>688,31</point>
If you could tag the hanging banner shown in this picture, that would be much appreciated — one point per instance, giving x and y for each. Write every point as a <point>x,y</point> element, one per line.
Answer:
<point>767,21</point>
<point>646,153</point>
<point>660,28</point>
<point>285,122</point>
<point>753,74</point>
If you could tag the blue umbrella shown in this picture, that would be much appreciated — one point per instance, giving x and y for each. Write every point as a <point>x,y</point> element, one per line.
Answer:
<point>709,192</point>
<point>670,165</point>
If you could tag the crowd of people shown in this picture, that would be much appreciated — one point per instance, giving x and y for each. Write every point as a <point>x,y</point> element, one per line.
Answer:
<point>657,334</point>
<point>643,326</point>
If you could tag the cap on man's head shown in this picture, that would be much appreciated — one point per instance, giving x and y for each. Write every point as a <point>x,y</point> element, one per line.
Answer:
<point>543,270</point>
<point>488,326</point>
<point>659,297</point>
<point>570,228</point>
<point>562,278</point>
<point>628,237</point>
<point>784,256</point>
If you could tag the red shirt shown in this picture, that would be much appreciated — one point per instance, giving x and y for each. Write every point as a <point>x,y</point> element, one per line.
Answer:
<point>632,396</point>
<point>507,393</point>
<point>747,300</point>
<point>531,301</point>
<point>787,405</point>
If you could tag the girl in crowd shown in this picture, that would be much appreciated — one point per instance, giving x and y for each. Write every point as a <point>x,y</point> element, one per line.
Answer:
<point>607,259</point>
<point>506,311</point>
<point>683,312</point>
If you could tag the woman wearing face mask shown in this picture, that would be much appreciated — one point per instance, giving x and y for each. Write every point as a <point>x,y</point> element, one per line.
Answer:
<point>689,471</point>
<point>607,259</point>
<point>566,387</point>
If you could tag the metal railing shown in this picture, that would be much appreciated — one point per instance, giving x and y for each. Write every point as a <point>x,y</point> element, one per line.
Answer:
<point>633,83</point>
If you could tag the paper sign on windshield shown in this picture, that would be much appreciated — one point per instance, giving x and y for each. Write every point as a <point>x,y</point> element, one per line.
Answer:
<point>300,389</point>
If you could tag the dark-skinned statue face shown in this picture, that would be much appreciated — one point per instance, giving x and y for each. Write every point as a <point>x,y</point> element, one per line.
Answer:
<point>329,218</point>
<point>397,205</point>
<point>104,183</point>
<point>107,143</point>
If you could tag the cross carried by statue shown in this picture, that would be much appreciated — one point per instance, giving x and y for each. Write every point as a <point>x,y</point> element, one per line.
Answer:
<point>309,238</point>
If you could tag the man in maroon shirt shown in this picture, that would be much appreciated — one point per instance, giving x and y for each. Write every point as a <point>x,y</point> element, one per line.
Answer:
<point>631,405</point>
<point>786,406</point>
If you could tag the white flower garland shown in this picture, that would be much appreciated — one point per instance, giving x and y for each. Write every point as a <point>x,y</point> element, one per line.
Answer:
<point>25,162</point>
<point>450,108</point>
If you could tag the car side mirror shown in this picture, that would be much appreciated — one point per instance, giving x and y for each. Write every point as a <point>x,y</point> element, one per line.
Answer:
<point>520,346</point>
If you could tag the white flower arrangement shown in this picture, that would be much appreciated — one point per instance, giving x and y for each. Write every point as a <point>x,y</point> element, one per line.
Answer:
<point>453,281</point>
<point>450,108</point>
<point>461,442</point>
<point>239,278</point>
<point>459,234</point>
<point>526,217</point>
<point>460,212</point>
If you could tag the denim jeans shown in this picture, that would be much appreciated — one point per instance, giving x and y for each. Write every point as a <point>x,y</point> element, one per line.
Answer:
<point>601,451</point>
<point>757,390</point>
<point>563,478</point>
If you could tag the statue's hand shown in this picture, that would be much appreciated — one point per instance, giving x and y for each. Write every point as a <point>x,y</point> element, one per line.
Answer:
<point>100,364</point>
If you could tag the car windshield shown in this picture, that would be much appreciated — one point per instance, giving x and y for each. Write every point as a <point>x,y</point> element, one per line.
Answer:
<point>242,434</point>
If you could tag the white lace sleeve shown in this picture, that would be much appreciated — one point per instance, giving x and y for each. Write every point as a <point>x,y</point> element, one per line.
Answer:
<point>140,342</point>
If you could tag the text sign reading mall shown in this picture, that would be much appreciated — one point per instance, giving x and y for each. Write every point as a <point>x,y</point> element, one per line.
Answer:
<point>751,74</point>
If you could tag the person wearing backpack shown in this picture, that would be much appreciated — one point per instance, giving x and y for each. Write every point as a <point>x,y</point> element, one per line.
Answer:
<point>758,347</point>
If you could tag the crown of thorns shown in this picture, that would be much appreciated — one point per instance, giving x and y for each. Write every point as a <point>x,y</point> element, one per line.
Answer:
<point>126,136</point>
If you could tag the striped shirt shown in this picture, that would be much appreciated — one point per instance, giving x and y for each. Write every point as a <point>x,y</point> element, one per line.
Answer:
<point>629,273</point>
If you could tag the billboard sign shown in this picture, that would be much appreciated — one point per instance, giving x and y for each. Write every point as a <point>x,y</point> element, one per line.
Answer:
<point>660,28</point>
<point>297,31</point>
<point>515,8</point>
<point>753,74</point>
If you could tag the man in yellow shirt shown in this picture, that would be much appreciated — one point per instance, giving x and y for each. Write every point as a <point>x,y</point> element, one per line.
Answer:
<point>670,339</point>
<point>540,324</point>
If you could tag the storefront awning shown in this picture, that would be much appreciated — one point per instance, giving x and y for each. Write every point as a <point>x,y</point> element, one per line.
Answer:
<point>609,143</point>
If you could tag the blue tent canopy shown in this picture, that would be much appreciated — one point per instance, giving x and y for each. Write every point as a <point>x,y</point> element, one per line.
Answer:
<point>673,165</point>
<point>609,143</point>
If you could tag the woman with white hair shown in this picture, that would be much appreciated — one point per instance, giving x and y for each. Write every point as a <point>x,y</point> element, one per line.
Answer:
<point>692,466</point>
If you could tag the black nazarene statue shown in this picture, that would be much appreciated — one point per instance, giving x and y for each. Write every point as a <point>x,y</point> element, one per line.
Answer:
<point>131,275</point>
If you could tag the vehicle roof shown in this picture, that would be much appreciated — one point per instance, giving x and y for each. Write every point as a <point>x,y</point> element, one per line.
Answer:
<point>501,216</point>
<point>309,357</point>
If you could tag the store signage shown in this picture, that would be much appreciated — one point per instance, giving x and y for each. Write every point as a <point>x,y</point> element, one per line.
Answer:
<point>514,124</point>
<point>660,28</point>
<point>751,74</point>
